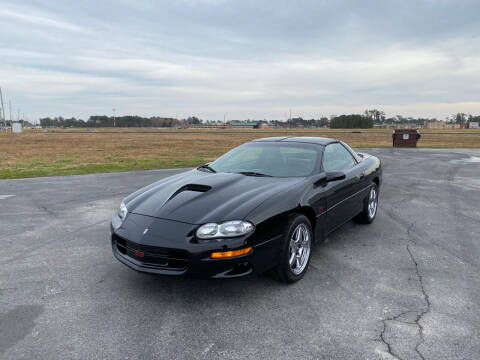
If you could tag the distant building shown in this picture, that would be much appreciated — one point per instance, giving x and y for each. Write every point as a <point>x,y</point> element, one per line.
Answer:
<point>243,124</point>
<point>452,126</point>
<point>206,126</point>
<point>16,127</point>
<point>473,125</point>
<point>434,125</point>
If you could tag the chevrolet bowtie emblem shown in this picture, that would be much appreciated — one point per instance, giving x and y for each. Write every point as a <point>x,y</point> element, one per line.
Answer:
<point>145,231</point>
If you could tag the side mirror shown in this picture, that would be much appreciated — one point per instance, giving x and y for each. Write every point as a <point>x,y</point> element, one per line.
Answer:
<point>325,177</point>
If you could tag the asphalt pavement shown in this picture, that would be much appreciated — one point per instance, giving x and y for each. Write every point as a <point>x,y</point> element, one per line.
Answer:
<point>405,287</point>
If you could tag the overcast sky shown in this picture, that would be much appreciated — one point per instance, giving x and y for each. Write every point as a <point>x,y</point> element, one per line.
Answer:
<point>245,59</point>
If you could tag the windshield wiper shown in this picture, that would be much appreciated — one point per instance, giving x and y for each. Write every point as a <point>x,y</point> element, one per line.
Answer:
<point>252,173</point>
<point>206,166</point>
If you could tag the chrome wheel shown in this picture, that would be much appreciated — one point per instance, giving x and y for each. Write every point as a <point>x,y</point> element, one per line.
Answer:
<point>372,203</point>
<point>300,244</point>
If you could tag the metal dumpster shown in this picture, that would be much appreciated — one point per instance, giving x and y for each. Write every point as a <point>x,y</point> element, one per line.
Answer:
<point>405,138</point>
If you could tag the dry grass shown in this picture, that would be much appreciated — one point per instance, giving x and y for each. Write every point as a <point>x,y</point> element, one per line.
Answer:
<point>65,152</point>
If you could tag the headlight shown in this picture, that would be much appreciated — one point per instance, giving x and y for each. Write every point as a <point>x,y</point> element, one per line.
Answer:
<point>226,229</point>
<point>122,212</point>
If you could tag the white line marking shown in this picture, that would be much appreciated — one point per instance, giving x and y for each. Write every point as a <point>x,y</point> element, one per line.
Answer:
<point>3,197</point>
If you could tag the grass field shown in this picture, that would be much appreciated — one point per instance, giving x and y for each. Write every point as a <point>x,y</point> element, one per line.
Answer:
<point>81,151</point>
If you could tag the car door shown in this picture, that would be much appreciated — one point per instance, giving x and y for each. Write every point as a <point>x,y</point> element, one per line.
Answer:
<point>341,201</point>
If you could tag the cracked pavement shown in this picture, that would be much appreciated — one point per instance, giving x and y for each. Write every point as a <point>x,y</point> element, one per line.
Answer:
<point>405,287</point>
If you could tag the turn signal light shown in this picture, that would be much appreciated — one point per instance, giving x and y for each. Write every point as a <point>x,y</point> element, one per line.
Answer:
<point>230,254</point>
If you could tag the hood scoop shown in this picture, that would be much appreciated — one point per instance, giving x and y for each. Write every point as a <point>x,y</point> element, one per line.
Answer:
<point>190,187</point>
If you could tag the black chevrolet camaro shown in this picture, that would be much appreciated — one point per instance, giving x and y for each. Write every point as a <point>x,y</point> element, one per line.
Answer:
<point>259,207</point>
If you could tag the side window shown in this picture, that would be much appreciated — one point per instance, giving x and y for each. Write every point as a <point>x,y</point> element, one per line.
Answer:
<point>337,158</point>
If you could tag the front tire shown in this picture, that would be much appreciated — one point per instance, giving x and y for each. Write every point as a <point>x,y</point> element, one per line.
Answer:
<point>295,249</point>
<point>370,206</point>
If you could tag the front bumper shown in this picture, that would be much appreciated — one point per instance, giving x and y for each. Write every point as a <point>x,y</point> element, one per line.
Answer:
<point>169,248</point>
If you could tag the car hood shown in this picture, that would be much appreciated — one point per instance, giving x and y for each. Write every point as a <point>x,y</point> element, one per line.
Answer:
<point>198,197</point>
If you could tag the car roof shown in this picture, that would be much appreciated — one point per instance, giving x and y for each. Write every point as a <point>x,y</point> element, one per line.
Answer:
<point>299,139</point>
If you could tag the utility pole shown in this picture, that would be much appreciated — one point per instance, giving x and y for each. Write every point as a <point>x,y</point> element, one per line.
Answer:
<point>10,108</point>
<point>2,112</point>
<point>113,117</point>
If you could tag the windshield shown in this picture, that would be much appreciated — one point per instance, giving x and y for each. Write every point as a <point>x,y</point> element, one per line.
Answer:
<point>281,159</point>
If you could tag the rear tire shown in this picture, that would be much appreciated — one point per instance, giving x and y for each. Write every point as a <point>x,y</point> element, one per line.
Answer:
<point>370,206</point>
<point>295,249</point>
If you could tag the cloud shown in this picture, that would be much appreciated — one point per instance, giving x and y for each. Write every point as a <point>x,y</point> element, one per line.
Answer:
<point>253,59</point>
<point>39,20</point>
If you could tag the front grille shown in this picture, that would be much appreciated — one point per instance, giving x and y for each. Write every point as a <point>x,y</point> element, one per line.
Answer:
<point>153,256</point>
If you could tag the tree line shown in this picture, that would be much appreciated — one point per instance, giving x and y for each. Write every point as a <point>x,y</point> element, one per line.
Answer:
<point>351,121</point>
<point>354,121</point>
<point>110,121</point>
